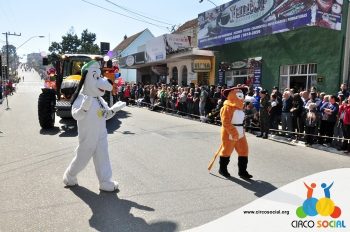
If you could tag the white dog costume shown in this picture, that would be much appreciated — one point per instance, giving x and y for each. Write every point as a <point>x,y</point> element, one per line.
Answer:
<point>91,113</point>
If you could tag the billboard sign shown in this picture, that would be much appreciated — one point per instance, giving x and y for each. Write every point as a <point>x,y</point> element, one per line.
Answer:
<point>155,49</point>
<point>176,42</point>
<point>240,20</point>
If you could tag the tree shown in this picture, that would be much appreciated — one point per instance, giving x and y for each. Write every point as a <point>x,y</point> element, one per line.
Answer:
<point>87,43</point>
<point>71,43</point>
<point>13,57</point>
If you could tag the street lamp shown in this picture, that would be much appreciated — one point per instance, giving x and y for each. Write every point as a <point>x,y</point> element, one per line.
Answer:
<point>36,36</point>
<point>200,1</point>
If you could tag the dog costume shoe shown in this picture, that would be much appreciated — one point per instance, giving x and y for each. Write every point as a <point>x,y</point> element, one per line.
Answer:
<point>91,113</point>
<point>109,186</point>
<point>69,180</point>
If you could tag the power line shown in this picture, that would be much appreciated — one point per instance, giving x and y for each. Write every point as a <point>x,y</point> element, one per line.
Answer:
<point>133,12</point>
<point>140,20</point>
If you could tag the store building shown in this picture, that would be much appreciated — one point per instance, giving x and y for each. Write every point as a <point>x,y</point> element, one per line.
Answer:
<point>290,44</point>
<point>128,46</point>
<point>173,59</point>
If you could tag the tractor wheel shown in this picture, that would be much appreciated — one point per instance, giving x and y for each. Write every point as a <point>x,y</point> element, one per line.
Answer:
<point>46,109</point>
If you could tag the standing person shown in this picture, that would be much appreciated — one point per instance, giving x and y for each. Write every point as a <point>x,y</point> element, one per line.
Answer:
<point>264,114</point>
<point>202,101</point>
<point>0,92</point>
<point>286,114</point>
<point>339,129</point>
<point>297,110</point>
<point>196,103</point>
<point>189,101</point>
<point>146,94</point>
<point>162,95</point>
<point>346,123</point>
<point>311,123</point>
<point>153,94</point>
<point>127,94</point>
<point>275,112</point>
<point>344,90</point>
<point>256,97</point>
<point>329,112</point>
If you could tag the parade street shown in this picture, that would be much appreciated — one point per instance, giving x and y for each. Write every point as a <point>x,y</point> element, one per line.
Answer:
<point>159,160</point>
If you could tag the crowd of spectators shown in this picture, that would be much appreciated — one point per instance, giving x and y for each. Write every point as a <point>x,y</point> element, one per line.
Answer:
<point>194,100</point>
<point>311,116</point>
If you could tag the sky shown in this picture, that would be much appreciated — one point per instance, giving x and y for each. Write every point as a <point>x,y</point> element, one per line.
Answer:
<point>55,18</point>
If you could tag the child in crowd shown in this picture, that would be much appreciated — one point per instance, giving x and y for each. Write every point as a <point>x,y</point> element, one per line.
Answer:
<point>311,124</point>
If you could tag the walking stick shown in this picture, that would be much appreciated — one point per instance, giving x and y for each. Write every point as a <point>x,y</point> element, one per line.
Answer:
<point>214,158</point>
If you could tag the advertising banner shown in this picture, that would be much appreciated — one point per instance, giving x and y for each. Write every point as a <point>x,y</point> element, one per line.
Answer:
<point>240,20</point>
<point>155,49</point>
<point>176,42</point>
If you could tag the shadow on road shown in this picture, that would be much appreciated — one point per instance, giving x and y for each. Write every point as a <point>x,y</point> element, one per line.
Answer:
<point>259,187</point>
<point>114,123</point>
<point>51,131</point>
<point>110,213</point>
<point>69,127</point>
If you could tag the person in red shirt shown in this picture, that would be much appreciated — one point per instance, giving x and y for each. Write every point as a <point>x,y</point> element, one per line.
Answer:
<point>127,94</point>
<point>346,124</point>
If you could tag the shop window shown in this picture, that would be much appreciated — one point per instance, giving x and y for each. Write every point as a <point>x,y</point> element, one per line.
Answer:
<point>175,76</point>
<point>235,77</point>
<point>293,69</point>
<point>299,77</point>
<point>203,78</point>
<point>184,76</point>
<point>313,68</point>
<point>284,70</point>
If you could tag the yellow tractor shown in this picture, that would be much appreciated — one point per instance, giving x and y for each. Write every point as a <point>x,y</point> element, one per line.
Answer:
<point>68,74</point>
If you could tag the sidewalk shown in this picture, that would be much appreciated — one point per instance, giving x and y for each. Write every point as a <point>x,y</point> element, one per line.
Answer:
<point>285,140</point>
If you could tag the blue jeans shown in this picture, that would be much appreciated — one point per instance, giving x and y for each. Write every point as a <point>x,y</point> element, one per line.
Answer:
<point>287,122</point>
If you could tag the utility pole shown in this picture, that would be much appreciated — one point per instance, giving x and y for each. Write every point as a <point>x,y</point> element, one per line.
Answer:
<point>7,60</point>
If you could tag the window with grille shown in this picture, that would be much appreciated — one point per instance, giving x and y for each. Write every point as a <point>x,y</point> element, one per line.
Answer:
<point>298,76</point>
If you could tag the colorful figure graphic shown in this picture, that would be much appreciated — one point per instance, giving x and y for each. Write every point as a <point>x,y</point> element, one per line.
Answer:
<point>310,190</point>
<point>326,189</point>
<point>313,206</point>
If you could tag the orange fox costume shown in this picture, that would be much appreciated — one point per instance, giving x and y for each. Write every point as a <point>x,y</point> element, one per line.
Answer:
<point>232,132</point>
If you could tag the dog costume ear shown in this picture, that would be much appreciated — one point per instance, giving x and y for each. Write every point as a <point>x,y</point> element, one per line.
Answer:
<point>80,86</point>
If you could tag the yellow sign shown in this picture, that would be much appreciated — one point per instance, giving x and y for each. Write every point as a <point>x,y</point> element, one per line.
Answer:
<point>201,65</point>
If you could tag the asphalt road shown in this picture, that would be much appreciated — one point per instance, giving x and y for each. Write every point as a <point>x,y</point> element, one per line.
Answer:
<point>160,162</point>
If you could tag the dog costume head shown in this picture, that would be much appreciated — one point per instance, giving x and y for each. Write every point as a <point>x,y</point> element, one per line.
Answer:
<point>235,96</point>
<point>94,84</point>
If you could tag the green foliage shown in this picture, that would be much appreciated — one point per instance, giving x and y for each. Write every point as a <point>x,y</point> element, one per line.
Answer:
<point>71,43</point>
<point>13,57</point>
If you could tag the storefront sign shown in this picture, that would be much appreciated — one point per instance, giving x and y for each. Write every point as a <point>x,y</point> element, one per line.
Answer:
<point>133,59</point>
<point>201,66</point>
<point>240,20</point>
<point>239,64</point>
